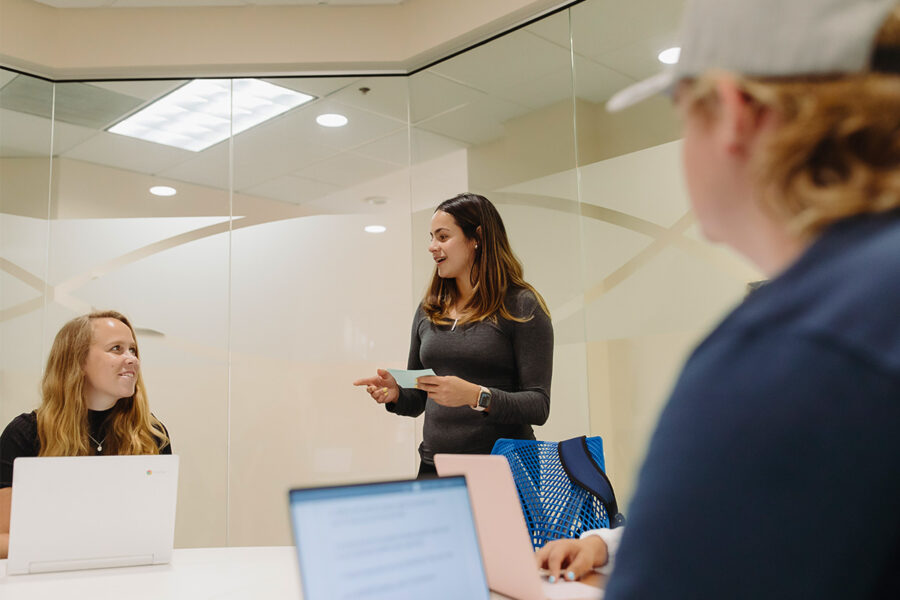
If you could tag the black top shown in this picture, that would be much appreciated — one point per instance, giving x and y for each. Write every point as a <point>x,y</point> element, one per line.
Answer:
<point>774,471</point>
<point>20,438</point>
<point>512,359</point>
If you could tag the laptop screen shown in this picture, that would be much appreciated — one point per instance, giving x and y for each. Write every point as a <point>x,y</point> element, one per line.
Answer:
<point>393,540</point>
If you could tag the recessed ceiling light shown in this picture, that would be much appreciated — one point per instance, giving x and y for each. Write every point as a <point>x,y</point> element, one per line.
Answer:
<point>163,190</point>
<point>669,56</point>
<point>331,120</point>
<point>204,112</point>
<point>375,228</point>
<point>377,200</point>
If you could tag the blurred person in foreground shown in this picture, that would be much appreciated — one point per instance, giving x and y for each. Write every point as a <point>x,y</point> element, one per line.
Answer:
<point>774,471</point>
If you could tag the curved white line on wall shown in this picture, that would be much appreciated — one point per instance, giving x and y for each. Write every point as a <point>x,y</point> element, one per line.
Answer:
<point>26,277</point>
<point>663,236</point>
<point>61,293</point>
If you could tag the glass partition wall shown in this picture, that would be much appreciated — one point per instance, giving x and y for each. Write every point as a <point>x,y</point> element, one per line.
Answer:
<point>509,105</point>
<point>316,300</point>
<point>652,286</point>
<point>292,255</point>
<point>27,184</point>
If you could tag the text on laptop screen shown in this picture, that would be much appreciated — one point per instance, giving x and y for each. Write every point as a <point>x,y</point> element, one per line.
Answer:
<point>403,539</point>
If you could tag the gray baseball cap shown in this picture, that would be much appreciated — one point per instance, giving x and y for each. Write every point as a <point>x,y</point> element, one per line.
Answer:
<point>768,38</point>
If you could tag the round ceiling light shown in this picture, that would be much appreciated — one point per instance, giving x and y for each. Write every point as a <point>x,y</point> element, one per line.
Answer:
<point>669,56</point>
<point>331,120</point>
<point>163,190</point>
<point>375,228</point>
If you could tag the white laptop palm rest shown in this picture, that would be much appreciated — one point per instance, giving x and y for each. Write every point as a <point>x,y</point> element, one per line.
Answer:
<point>505,542</point>
<point>86,512</point>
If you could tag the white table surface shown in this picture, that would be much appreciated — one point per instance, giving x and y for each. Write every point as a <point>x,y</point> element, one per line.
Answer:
<point>194,573</point>
<point>261,572</point>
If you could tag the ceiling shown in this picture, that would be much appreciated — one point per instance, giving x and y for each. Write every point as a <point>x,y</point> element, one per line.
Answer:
<point>187,3</point>
<point>462,102</point>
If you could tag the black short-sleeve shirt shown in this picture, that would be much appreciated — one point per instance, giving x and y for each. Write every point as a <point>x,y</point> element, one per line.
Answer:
<point>20,438</point>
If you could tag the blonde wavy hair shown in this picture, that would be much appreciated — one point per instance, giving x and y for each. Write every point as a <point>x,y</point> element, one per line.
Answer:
<point>62,418</point>
<point>836,152</point>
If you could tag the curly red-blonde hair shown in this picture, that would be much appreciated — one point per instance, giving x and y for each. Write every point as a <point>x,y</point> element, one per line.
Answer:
<point>836,152</point>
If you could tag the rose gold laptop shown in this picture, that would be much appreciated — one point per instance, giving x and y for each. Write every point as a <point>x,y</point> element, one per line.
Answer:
<point>505,543</point>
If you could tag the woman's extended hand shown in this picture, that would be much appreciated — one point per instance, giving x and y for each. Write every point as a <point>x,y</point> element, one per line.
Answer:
<point>449,390</point>
<point>383,387</point>
<point>576,557</point>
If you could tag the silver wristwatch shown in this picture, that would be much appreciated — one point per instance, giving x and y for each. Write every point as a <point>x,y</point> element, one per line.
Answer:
<point>484,399</point>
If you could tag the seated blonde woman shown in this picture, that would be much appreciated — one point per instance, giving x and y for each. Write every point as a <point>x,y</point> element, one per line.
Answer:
<point>93,403</point>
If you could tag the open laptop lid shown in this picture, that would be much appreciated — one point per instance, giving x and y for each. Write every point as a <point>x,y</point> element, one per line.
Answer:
<point>84,512</point>
<point>389,540</point>
<point>505,543</point>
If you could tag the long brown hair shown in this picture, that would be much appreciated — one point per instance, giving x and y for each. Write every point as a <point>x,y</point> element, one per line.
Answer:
<point>62,418</point>
<point>495,270</point>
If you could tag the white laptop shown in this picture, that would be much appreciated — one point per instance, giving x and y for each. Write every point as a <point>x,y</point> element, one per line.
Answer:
<point>505,542</point>
<point>397,540</point>
<point>86,512</point>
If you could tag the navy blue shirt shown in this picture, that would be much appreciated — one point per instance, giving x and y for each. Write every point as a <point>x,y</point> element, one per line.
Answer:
<point>774,471</point>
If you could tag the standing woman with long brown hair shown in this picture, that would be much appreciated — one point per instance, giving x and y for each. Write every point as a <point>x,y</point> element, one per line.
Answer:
<point>93,402</point>
<point>484,331</point>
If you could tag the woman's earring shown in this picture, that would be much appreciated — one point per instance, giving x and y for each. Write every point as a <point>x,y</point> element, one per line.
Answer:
<point>476,246</point>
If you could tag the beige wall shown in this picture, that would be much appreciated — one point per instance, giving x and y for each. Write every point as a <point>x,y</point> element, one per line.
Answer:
<point>647,288</point>
<point>543,142</point>
<point>254,338</point>
<point>653,291</point>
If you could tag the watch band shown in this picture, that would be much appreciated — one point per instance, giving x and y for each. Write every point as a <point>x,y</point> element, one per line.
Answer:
<point>484,400</point>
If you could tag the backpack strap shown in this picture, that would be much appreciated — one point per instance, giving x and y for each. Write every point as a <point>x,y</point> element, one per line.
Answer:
<point>581,468</point>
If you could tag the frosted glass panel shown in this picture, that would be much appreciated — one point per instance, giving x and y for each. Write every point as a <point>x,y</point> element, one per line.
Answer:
<point>259,296</point>
<point>26,130</point>
<point>163,262</point>
<point>652,286</point>
<point>498,120</point>
<point>316,301</point>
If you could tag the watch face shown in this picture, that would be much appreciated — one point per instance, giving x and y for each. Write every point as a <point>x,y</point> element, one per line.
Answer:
<point>484,399</point>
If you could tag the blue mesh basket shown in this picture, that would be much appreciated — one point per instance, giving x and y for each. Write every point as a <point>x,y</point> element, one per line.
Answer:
<point>554,506</point>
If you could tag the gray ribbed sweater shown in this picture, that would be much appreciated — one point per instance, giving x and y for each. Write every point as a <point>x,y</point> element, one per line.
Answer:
<point>514,360</point>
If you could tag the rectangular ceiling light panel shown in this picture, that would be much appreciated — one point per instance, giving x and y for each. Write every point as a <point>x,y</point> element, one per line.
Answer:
<point>203,112</point>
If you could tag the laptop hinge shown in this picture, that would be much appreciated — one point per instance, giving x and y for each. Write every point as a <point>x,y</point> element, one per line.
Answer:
<point>45,566</point>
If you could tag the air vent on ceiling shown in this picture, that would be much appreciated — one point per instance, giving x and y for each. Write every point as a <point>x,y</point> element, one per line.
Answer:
<point>76,103</point>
